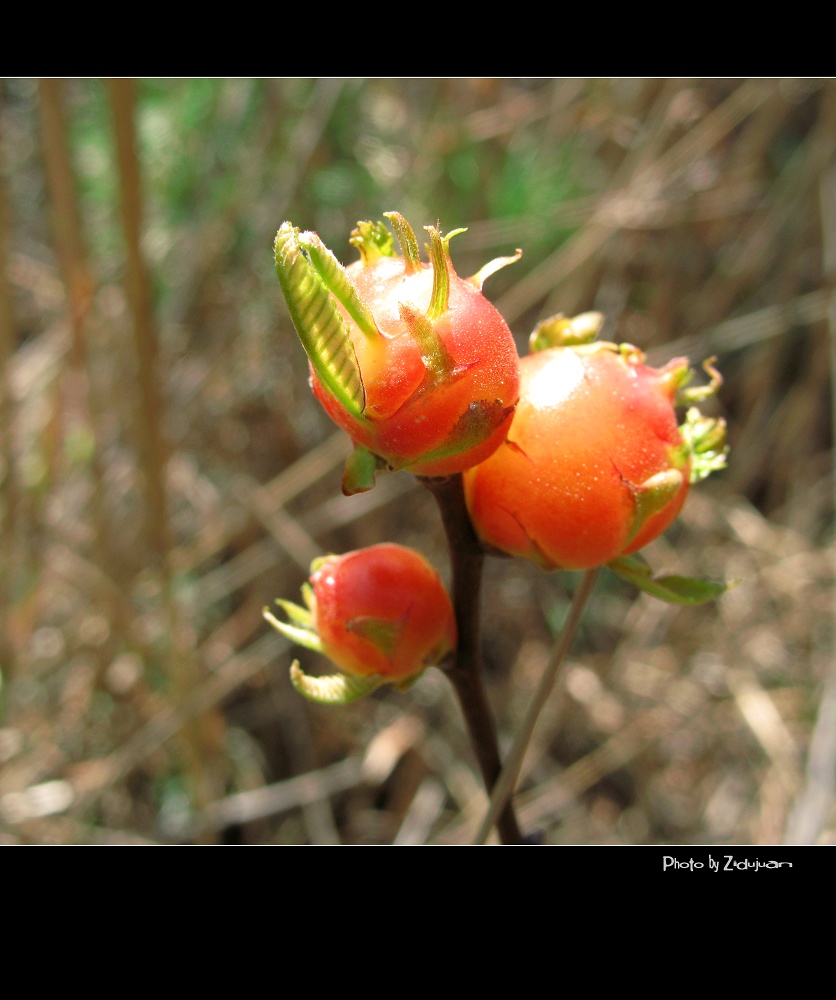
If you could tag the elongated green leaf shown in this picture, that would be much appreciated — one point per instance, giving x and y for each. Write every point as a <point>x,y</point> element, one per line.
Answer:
<point>332,274</point>
<point>318,322</point>
<point>673,589</point>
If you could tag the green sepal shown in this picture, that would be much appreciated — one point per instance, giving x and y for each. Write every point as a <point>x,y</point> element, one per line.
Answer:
<point>437,359</point>
<point>298,615</point>
<point>373,240</point>
<point>706,438</point>
<point>332,689</point>
<point>382,634</point>
<point>563,331</point>
<point>672,589</point>
<point>653,496</point>
<point>476,424</point>
<point>699,393</point>
<point>406,238</point>
<point>439,251</point>
<point>318,322</point>
<point>296,633</point>
<point>307,589</point>
<point>360,471</point>
<point>316,563</point>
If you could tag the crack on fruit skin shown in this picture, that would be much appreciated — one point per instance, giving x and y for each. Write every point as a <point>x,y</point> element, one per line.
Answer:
<point>536,553</point>
<point>519,450</point>
<point>632,487</point>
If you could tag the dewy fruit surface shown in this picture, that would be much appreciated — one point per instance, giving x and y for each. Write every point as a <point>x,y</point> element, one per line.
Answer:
<point>382,610</point>
<point>594,465</point>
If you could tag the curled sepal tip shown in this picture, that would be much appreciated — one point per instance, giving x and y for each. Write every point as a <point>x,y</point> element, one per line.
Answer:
<point>699,393</point>
<point>492,267</point>
<point>333,689</point>
<point>332,274</point>
<point>373,240</point>
<point>319,323</point>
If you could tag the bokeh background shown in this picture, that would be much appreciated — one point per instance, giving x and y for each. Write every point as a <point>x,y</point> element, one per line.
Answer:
<point>165,472</point>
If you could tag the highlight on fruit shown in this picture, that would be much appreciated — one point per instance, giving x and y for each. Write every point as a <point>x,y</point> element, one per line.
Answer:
<point>380,614</point>
<point>411,360</point>
<point>596,463</point>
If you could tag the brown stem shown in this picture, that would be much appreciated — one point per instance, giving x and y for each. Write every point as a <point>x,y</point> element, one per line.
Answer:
<point>466,672</point>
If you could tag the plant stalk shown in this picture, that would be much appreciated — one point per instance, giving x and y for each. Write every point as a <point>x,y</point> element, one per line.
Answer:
<point>466,672</point>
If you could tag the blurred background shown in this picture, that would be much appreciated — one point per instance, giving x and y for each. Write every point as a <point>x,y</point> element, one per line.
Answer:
<point>165,472</point>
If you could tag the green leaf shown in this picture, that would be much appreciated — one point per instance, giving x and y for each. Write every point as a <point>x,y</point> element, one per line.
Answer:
<point>318,322</point>
<point>673,589</point>
<point>332,274</point>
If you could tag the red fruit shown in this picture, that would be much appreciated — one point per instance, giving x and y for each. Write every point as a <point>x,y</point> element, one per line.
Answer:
<point>428,425</point>
<point>594,466</point>
<point>407,357</point>
<point>382,610</point>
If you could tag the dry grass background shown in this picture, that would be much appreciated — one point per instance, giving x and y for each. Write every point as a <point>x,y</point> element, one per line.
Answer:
<point>165,472</point>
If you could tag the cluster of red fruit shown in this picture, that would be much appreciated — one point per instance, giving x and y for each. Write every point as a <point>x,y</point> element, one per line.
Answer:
<point>572,456</point>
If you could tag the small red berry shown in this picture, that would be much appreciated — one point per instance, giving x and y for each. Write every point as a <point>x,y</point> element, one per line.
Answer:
<point>382,610</point>
<point>380,614</point>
